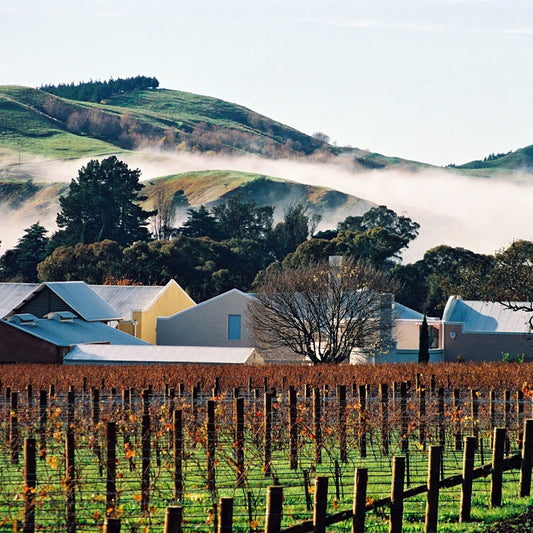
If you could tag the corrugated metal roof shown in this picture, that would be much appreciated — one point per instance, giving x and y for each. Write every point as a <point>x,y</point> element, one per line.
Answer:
<point>127,298</point>
<point>401,312</point>
<point>105,354</point>
<point>77,331</point>
<point>11,294</point>
<point>80,297</point>
<point>488,317</point>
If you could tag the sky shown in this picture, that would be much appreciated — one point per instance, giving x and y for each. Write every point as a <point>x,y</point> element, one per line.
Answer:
<point>437,81</point>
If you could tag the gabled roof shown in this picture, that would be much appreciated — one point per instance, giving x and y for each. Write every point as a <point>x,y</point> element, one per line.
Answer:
<point>11,294</point>
<point>105,354</point>
<point>65,329</point>
<point>128,298</point>
<point>205,303</point>
<point>79,297</point>
<point>485,317</point>
<point>401,312</point>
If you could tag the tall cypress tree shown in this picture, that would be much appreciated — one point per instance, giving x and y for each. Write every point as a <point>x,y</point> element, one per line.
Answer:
<point>423,346</point>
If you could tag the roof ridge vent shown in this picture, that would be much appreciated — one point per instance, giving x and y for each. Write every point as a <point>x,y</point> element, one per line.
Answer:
<point>23,319</point>
<point>61,316</point>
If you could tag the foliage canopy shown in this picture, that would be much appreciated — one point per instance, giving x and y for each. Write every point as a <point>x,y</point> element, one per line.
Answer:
<point>102,204</point>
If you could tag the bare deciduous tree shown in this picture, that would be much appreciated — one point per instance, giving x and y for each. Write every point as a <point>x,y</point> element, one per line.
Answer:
<point>323,311</point>
<point>165,202</point>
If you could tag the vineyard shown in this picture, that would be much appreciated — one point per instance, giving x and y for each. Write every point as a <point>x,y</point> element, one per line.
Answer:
<point>82,444</point>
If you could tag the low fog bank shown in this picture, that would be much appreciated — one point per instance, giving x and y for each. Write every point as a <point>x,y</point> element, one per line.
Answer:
<point>482,215</point>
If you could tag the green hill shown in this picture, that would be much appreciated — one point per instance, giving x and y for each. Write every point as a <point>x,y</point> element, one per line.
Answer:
<point>519,160</point>
<point>213,186</point>
<point>34,122</point>
<point>26,201</point>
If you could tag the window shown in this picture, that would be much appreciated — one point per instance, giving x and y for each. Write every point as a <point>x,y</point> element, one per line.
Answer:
<point>234,327</point>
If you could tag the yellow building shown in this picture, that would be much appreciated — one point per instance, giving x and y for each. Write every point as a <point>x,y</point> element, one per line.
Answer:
<point>140,305</point>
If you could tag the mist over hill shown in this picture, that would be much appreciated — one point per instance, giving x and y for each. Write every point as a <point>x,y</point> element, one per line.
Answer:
<point>172,136</point>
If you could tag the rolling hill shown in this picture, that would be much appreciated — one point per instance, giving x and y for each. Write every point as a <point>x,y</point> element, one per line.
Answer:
<point>36,123</point>
<point>45,139</point>
<point>519,160</point>
<point>211,187</point>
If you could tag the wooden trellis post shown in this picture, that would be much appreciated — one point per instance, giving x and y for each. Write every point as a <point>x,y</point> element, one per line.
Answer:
<point>111,468</point>
<point>469,454</point>
<point>396,509</point>
<point>320,504</point>
<point>239,439</point>
<point>30,482</point>
<point>178,454</point>
<point>422,417</point>
<point>211,446</point>
<point>70,482</point>
<point>384,406</point>
<point>432,502</point>
<point>362,420</point>
<point>497,467</point>
<point>341,400</point>
<point>145,472</point>
<point>274,509</point>
<point>267,434</point>
<point>457,417</point>
<point>225,521</point>
<point>317,425</point>
<point>173,519</point>
<point>293,429</point>
<point>359,500</point>
<point>404,418</point>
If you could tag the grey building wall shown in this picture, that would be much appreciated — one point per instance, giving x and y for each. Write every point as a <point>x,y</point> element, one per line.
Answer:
<point>206,324</point>
<point>484,346</point>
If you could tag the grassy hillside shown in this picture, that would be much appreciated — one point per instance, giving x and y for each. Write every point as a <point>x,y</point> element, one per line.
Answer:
<point>212,187</point>
<point>28,125</point>
<point>24,201</point>
<point>38,123</point>
<point>519,160</point>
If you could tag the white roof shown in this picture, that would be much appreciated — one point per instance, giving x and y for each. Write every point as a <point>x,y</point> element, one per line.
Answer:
<point>109,354</point>
<point>486,317</point>
<point>128,298</point>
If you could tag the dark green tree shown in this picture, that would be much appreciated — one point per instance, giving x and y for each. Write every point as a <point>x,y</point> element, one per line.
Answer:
<point>20,263</point>
<point>423,344</point>
<point>382,217</point>
<point>450,271</point>
<point>290,232</point>
<point>375,245</point>
<point>244,219</point>
<point>201,223</point>
<point>309,253</point>
<point>96,263</point>
<point>102,204</point>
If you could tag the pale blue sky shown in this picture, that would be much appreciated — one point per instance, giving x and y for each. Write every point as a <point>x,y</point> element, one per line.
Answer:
<point>439,81</point>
